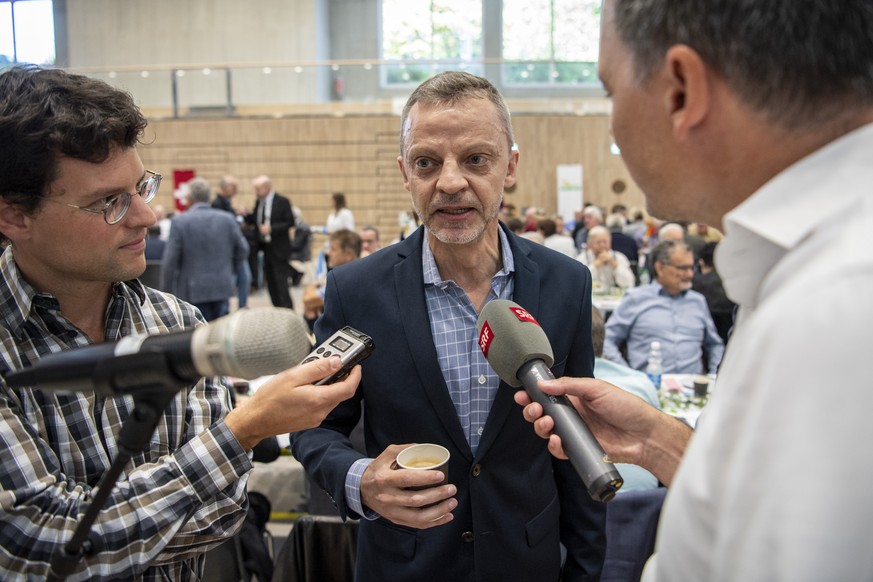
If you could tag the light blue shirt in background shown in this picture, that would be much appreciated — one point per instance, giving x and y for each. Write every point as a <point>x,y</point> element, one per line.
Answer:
<point>682,324</point>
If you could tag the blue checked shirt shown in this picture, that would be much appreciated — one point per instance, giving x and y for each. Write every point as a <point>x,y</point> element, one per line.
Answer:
<point>471,381</point>
<point>180,497</point>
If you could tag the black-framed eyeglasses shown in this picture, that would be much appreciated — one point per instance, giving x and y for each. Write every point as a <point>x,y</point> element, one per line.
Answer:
<point>687,268</point>
<point>113,208</point>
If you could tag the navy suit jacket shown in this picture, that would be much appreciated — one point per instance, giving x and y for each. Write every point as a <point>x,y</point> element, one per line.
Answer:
<point>516,502</point>
<point>281,219</point>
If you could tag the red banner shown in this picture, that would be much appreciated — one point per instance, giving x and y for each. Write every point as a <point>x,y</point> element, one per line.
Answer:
<point>180,195</point>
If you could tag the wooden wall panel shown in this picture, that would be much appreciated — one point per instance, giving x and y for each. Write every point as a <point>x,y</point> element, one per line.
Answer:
<point>308,158</point>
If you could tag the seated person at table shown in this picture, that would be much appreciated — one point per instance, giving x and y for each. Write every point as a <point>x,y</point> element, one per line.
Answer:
<point>556,240</point>
<point>345,247</point>
<point>667,311</point>
<point>637,383</point>
<point>608,267</point>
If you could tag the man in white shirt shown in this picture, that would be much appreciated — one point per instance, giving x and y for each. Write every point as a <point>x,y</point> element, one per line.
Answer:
<point>609,268</point>
<point>758,120</point>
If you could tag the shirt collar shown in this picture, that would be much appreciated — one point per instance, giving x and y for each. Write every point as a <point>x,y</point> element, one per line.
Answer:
<point>18,297</point>
<point>16,294</point>
<point>788,209</point>
<point>432,273</point>
<point>658,289</point>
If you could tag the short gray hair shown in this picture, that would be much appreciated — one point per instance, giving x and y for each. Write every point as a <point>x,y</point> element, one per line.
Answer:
<point>663,252</point>
<point>200,190</point>
<point>801,63</point>
<point>451,87</point>
<point>600,230</point>
<point>593,211</point>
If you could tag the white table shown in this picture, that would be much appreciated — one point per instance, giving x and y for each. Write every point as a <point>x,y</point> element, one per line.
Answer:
<point>677,397</point>
<point>283,482</point>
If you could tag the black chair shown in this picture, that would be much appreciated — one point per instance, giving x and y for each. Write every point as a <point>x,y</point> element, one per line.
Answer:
<point>226,564</point>
<point>319,549</point>
<point>301,252</point>
<point>631,525</point>
<point>301,244</point>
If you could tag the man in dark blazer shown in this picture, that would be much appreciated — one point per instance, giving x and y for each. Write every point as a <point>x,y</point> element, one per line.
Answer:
<point>508,506</point>
<point>272,218</point>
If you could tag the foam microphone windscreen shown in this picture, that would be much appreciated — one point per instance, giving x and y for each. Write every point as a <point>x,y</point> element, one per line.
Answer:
<point>251,342</point>
<point>510,337</point>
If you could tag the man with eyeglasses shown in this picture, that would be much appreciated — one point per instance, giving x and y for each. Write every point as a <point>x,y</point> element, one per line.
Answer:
<point>669,312</point>
<point>370,242</point>
<point>74,215</point>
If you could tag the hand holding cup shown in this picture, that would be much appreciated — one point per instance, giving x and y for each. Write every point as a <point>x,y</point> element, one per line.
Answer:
<point>425,457</point>
<point>416,494</point>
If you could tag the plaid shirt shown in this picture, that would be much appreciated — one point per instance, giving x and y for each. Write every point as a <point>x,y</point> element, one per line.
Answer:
<point>180,497</point>
<point>471,381</point>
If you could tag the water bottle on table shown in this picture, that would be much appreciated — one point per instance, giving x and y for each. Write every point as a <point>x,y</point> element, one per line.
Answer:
<point>655,367</point>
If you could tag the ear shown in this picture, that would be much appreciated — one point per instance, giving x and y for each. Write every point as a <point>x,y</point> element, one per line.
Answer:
<point>689,89</point>
<point>403,173</point>
<point>14,223</point>
<point>511,169</point>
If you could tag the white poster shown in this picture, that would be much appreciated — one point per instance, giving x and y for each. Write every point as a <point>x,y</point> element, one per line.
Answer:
<point>569,190</point>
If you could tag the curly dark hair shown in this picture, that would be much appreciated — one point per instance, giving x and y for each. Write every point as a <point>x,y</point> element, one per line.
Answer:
<point>49,113</point>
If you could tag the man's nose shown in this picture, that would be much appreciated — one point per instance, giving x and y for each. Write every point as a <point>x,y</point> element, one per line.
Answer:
<point>451,178</point>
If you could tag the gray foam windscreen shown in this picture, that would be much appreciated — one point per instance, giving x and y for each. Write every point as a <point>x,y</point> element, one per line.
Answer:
<point>250,343</point>
<point>510,337</point>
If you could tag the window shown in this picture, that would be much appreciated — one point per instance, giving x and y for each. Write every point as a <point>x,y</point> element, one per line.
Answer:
<point>550,41</point>
<point>445,33</point>
<point>27,32</point>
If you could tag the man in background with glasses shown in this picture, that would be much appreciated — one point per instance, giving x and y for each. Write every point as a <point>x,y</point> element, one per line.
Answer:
<point>74,215</point>
<point>669,312</point>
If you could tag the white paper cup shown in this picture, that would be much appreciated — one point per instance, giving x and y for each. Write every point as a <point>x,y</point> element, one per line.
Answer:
<point>426,457</point>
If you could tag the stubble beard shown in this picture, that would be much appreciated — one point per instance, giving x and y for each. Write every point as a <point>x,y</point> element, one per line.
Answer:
<point>462,235</point>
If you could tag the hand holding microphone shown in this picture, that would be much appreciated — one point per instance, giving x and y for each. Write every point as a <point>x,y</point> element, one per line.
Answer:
<point>519,351</point>
<point>631,429</point>
<point>246,344</point>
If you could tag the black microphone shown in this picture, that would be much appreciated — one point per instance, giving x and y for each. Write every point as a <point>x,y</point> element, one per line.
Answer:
<point>517,348</point>
<point>247,344</point>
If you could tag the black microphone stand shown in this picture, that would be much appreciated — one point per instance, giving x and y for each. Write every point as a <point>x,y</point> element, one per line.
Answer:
<point>149,378</point>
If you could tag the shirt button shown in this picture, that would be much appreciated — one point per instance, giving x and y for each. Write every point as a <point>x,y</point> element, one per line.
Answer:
<point>477,468</point>
<point>482,379</point>
<point>480,430</point>
<point>467,536</point>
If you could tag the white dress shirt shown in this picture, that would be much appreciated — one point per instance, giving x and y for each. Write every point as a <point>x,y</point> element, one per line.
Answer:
<point>777,483</point>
